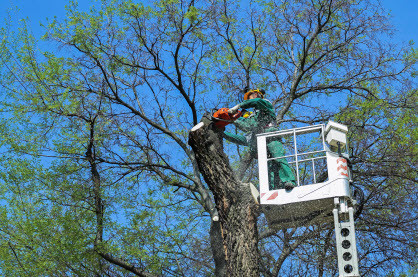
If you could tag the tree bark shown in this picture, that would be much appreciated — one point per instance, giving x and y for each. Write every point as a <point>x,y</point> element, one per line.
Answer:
<point>237,210</point>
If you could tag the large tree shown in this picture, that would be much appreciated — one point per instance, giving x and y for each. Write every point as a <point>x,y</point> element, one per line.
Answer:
<point>98,177</point>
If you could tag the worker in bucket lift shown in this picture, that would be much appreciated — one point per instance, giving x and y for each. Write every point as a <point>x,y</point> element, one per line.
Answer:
<point>261,120</point>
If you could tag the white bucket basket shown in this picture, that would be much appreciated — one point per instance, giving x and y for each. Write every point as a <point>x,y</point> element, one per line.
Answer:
<point>321,174</point>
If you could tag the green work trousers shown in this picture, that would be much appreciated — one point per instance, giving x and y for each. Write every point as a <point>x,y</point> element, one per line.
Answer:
<point>279,170</point>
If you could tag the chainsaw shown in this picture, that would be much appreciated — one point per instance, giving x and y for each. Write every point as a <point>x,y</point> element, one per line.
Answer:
<point>221,117</point>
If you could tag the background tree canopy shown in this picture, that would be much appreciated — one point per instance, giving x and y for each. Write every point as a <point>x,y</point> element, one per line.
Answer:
<point>97,178</point>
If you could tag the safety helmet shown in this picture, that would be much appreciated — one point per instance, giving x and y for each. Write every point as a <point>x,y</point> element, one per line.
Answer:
<point>261,92</point>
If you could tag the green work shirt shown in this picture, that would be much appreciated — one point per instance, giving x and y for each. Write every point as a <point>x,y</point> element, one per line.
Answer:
<point>262,116</point>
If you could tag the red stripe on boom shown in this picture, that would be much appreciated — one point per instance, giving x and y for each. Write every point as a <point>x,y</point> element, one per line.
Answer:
<point>273,196</point>
<point>341,160</point>
<point>342,167</point>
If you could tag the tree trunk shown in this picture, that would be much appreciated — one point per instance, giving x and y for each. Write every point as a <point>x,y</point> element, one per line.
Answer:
<point>237,210</point>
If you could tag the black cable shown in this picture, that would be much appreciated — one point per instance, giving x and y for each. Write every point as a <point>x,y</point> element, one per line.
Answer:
<point>358,194</point>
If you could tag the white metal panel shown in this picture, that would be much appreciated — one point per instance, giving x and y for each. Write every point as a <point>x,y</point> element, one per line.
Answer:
<point>334,188</point>
<point>303,206</point>
<point>337,166</point>
<point>262,164</point>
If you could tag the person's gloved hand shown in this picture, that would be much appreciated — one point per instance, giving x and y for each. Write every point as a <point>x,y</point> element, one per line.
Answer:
<point>234,109</point>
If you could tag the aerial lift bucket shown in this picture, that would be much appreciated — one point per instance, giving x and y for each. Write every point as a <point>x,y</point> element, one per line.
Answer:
<point>319,201</point>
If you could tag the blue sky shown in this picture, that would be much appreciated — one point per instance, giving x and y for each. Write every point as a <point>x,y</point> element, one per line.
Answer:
<point>404,14</point>
<point>405,17</point>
